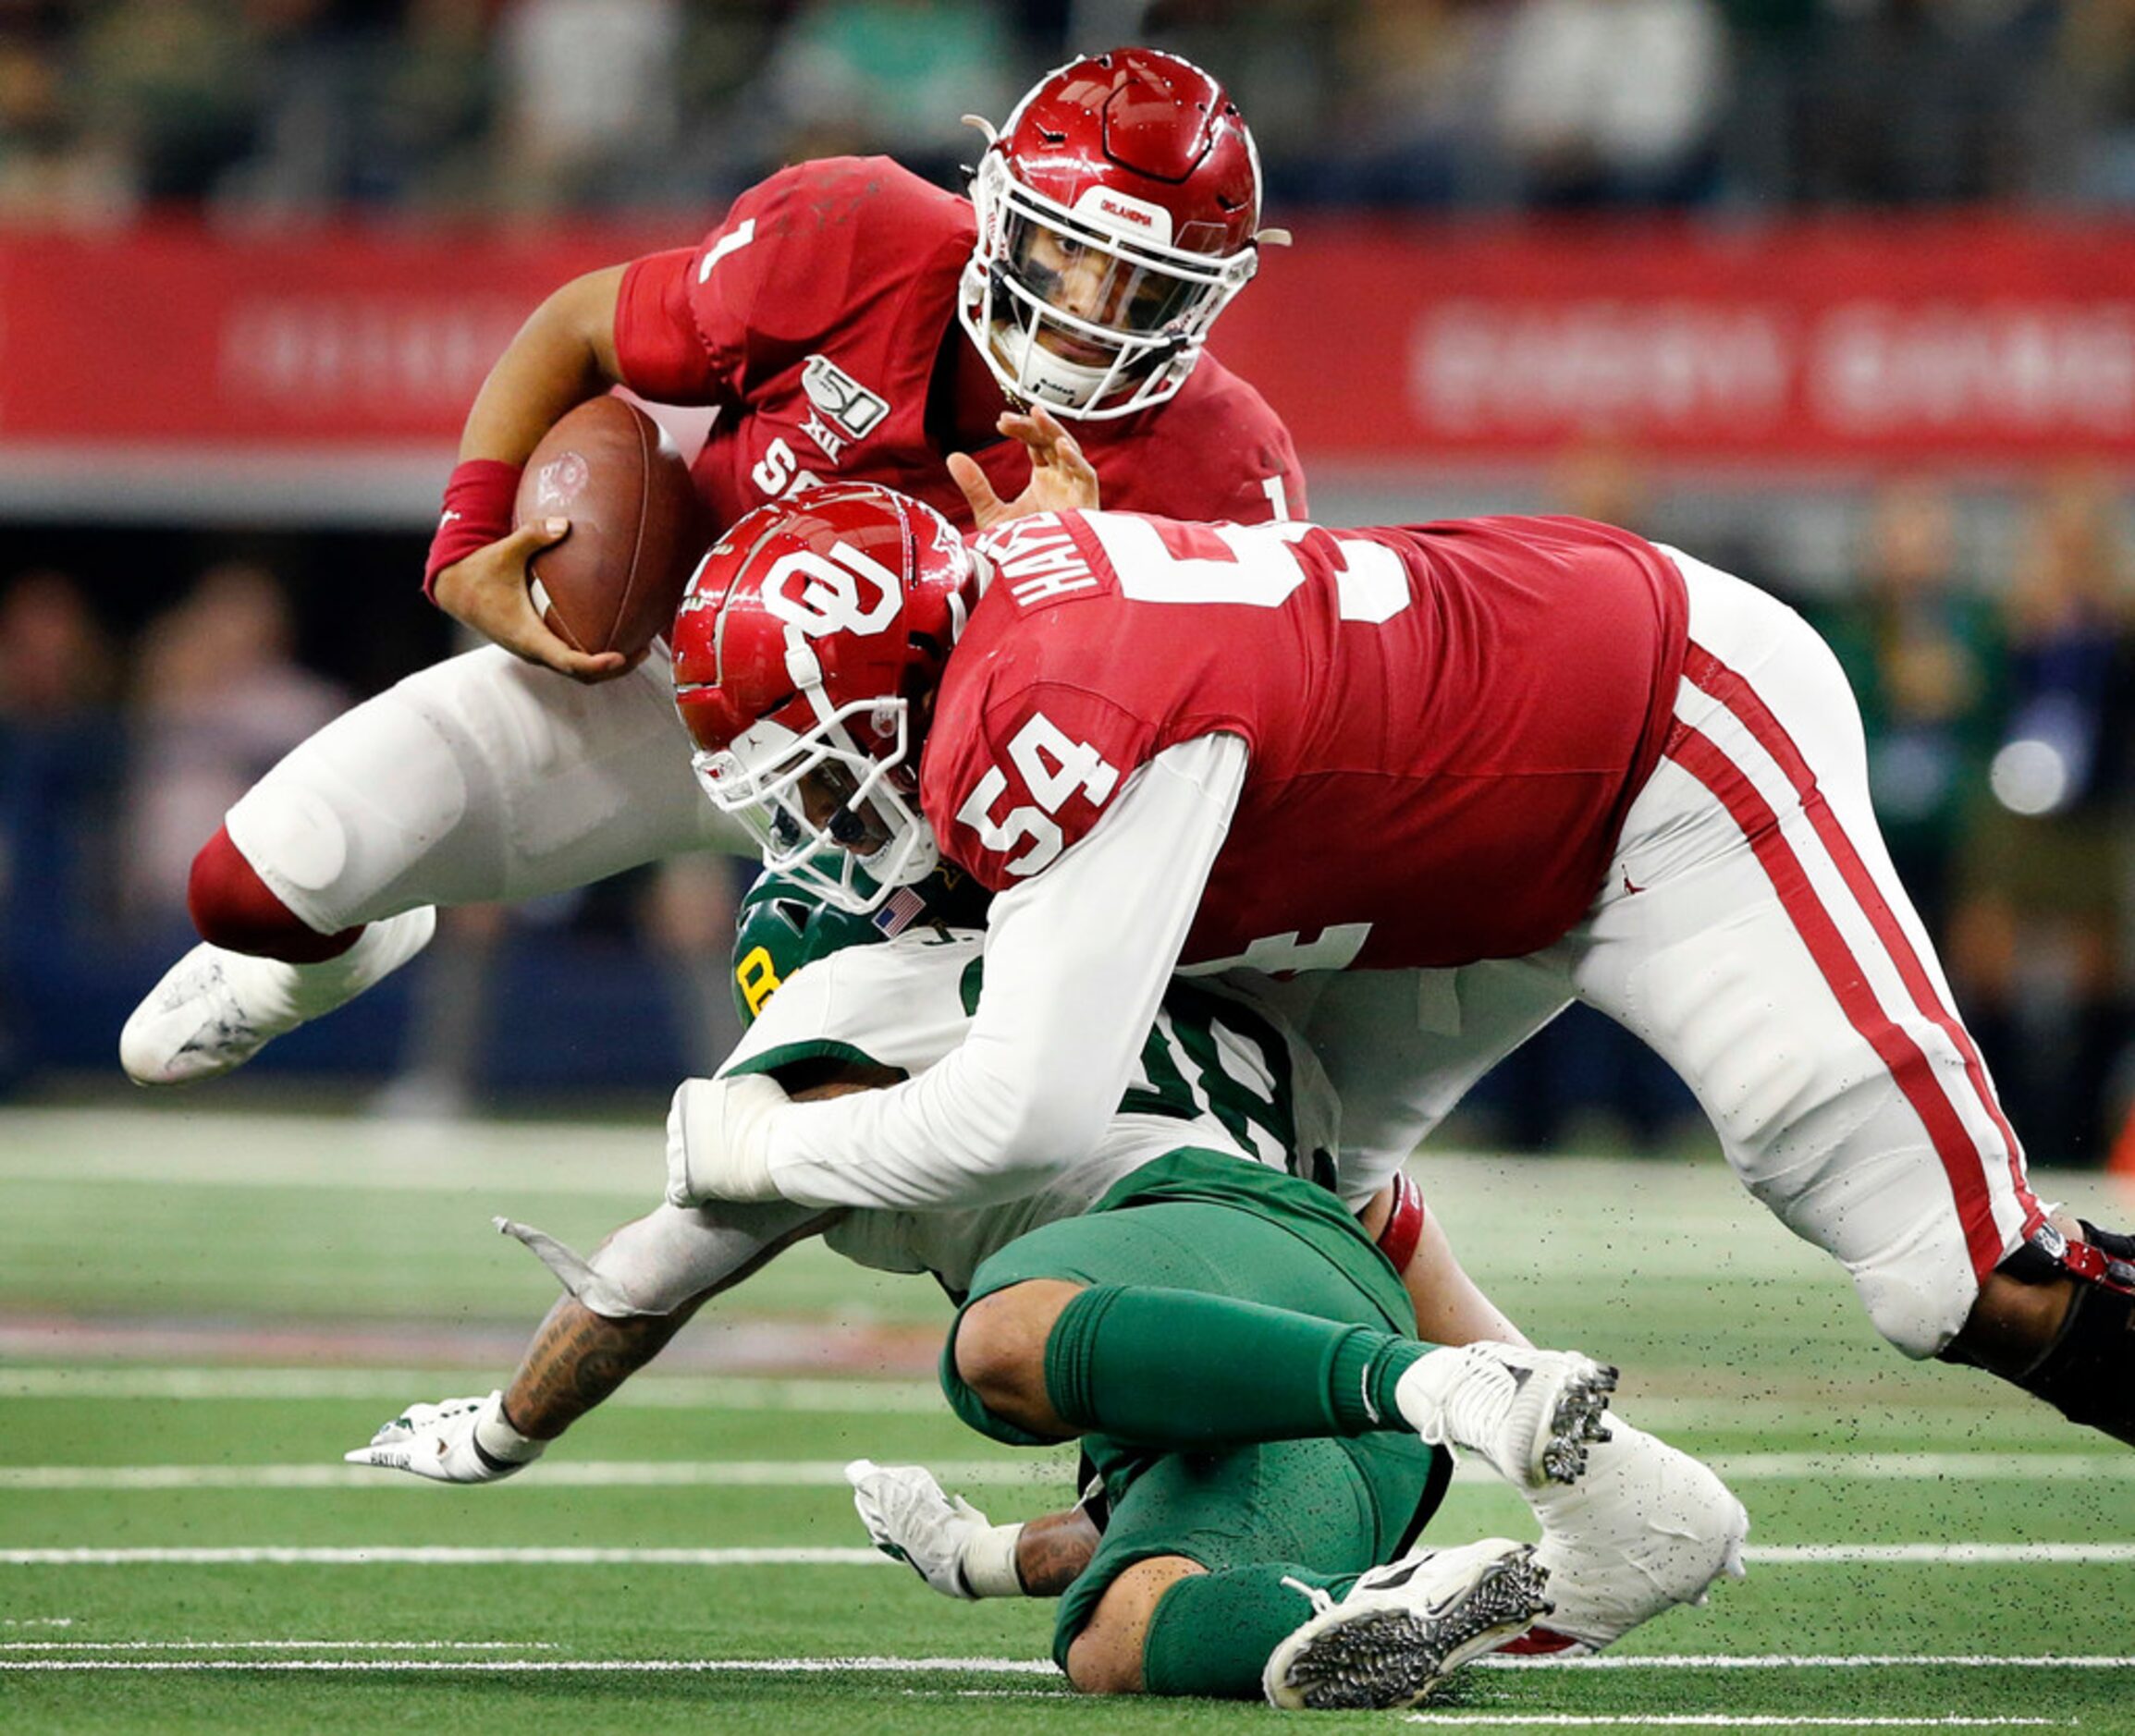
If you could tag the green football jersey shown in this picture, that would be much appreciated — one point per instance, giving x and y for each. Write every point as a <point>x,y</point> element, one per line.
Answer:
<point>1217,1071</point>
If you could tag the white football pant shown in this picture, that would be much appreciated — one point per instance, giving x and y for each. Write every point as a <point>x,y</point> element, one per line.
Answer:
<point>1752,932</point>
<point>482,777</point>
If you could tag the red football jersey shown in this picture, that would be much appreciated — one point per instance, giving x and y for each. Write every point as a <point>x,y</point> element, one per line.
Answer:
<point>815,317</point>
<point>1445,723</point>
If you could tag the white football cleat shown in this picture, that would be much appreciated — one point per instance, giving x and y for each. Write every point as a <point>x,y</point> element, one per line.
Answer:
<point>214,1010</point>
<point>1530,1414</point>
<point>1406,1627</point>
<point>1645,1529</point>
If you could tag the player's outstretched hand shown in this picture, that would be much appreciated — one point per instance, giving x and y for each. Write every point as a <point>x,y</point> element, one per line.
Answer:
<point>487,592</point>
<point>719,1138</point>
<point>910,1519</point>
<point>1061,480</point>
<point>459,1440</point>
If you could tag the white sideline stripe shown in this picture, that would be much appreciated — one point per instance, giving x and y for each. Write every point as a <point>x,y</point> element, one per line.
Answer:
<point>1719,1721</point>
<point>1038,1667</point>
<point>594,1473</point>
<point>1771,1555</point>
<point>397,1555</point>
<point>867,1397</point>
<point>1939,1554</point>
<point>1810,1660</point>
<point>875,1398</point>
<point>606,1666</point>
<point>276,1646</point>
<point>1960,1467</point>
<point>589,1475</point>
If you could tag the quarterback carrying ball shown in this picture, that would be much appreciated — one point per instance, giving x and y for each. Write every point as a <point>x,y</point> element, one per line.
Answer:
<point>847,319</point>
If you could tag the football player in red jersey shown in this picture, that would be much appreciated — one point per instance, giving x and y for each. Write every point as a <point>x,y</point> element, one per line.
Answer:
<point>847,319</point>
<point>1495,764</point>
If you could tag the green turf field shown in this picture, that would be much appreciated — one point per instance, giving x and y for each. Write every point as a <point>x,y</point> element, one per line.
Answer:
<point>200,1312</point>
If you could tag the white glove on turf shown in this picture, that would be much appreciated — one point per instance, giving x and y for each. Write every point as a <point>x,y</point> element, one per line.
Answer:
<point>719,1138</point>
<point>460,1440</point>
<point>950,1543</point>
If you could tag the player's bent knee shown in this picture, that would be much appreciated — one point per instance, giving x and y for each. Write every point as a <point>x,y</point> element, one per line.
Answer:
<point>1001,1341</point>
<point>1106,1657</point>
<point>232,908</point>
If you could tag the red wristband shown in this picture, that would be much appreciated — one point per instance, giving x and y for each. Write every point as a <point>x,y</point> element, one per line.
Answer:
<point>478,502</point>
<point>1404,1227</point>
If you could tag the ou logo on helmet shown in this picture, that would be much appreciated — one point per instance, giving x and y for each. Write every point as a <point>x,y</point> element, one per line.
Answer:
<point>823,594</point>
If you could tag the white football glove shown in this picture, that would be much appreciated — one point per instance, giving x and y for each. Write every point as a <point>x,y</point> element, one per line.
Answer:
<point>719,1138</point>
<point>460,1440</point>
<point>952,1546</point>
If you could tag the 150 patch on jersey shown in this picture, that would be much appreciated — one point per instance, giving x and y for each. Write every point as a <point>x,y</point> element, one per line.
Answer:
<point>850,405</point>
<point>1051,768</point>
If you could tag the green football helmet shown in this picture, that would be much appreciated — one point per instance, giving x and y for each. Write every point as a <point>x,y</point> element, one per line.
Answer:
<point>783,923</point>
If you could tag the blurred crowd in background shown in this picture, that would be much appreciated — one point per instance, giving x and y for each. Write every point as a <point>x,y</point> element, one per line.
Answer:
<point>274,109</point>
<point>1991,636</point>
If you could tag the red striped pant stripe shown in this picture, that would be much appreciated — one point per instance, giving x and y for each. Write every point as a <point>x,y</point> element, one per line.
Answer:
<point>1910,1067</point>
<point>1732,690</point>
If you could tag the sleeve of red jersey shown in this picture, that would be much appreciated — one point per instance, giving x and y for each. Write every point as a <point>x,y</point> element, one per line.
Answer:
<point>664,354</point>
<point>1040,768</point>
<point>684,319</point>
<point>1076,961</point>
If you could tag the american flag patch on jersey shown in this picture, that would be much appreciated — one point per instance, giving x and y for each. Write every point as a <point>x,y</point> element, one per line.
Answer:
<point>899,911</point>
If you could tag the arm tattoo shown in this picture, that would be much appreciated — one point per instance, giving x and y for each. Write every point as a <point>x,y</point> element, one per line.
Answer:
<point>577,1359</point>
<point>1054,1550</point>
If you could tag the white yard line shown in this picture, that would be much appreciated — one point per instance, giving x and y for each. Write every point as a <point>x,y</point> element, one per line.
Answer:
<point>1870,1465</point>
<point>1718,1720</point>
<point>799,1473</point>
<point>1815,1660</point>
<point>1037,1667</point>
<point>829,1474</point>
<point>214,1384</point>
<point>550,1665</point>
<point>713,1392</point>
<point>276,1646</point>
<point>439,1556</point>
<point>1939,1554</point>
<point>1771,1555</point>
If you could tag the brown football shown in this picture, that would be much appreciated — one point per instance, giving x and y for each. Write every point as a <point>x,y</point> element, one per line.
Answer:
<point>614,583</point>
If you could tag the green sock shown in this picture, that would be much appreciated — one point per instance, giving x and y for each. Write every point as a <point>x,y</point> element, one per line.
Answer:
<point>1211,1633</point>
<point>1179,1368</point>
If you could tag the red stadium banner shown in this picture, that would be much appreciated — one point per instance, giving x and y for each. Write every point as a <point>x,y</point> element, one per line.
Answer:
<point>1803,344</point>
<point>1797,344</point>
<point>173,333</point>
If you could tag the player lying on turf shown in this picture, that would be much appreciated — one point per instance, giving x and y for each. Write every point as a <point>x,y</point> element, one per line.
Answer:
<point>1247,1477</point>
<point>1447,778</point>
<point>848,321</point>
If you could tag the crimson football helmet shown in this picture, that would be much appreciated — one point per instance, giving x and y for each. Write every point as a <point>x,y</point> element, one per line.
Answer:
<point>1118,213</point>
<point>808,641</point>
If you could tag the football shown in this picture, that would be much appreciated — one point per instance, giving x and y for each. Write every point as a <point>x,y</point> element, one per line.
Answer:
<point>614,583</point>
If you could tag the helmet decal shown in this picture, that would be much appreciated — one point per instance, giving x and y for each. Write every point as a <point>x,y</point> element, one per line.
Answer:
<point>830,598</point>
